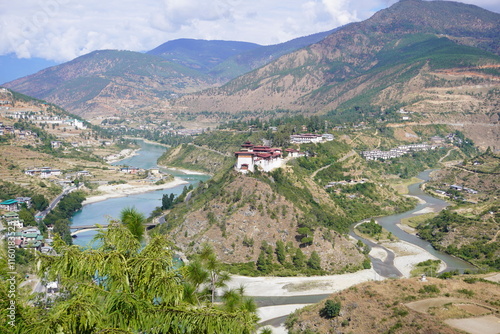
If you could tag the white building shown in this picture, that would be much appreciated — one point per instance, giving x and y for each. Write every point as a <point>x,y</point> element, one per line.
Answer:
<point>305,138</point>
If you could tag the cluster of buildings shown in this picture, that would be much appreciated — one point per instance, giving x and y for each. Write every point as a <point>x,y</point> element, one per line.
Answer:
<point>31,238</point>
<point>307,138</point>
<point>21,134</point>
<point>460,188</point>
<point>396,152</point>
<point>131,170</point>
<point>40,118</point>
<point>23,237</point>
<point>28,238</point>
<point>457,188</point>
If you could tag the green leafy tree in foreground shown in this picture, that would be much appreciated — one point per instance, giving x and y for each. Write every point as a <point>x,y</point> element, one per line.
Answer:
<point>217,278</point>
<point>121,287</point>
<point>134,221</point>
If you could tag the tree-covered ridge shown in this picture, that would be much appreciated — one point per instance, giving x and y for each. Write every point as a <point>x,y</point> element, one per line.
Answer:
<point>59,217</point>
<point>237,213</point>
<point>471,238</point>
<point>192,157</point>
<point>123,287</point>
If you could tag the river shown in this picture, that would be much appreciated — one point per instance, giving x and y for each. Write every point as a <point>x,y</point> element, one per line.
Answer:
<point>428,204</point>
<point>103,211</point>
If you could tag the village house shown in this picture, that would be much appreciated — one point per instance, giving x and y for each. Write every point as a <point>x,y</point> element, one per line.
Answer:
<point>83,173</point>
<point>9,205</point>
<point>327,137</point>
<point>252,157</point>
<point>130,170</point>
<point>14,205</point>
<point>55,144</point>
<point>437,140</point>
<point>293,153</point>
<point>43,172</point>
<point>306,138</point>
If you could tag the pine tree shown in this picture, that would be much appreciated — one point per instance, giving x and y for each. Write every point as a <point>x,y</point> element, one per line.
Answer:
<point>299,259</point>
<point>314,261</point>
<point>280,251</point>
<point>262,264</point>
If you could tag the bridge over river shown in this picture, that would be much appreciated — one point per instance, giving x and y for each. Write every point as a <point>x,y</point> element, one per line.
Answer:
<point>85,228</point>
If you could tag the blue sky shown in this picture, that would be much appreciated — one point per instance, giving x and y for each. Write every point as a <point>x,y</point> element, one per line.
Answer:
<point>61,30</point>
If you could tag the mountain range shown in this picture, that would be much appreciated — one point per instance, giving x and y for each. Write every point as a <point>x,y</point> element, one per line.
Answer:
<point>113,82</point>
<point>439,60</point>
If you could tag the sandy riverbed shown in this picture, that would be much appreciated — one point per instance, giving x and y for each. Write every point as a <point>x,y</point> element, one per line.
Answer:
<point>406,257</point>
<point>122,190</point>
<point>298,286</point>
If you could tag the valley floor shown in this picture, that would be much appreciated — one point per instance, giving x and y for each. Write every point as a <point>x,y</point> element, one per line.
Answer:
<point>406,257</point>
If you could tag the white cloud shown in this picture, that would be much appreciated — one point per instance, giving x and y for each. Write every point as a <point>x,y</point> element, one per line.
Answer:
<point>64,29</point>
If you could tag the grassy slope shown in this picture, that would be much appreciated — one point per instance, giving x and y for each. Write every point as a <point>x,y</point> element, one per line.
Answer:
<point>384,307</point>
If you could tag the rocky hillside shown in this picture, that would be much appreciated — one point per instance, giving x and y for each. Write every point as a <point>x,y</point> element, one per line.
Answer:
<point>404,306</point>
<point>244,213</point>
<point>291,206</point>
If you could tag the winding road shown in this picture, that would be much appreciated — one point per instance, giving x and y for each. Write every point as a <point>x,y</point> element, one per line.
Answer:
<point>39,216</point>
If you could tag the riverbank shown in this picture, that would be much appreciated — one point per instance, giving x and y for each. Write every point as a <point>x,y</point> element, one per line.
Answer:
<point>185,171</point>
<point>300,286</point>
<point>146,141</point>
<point>123,190</point>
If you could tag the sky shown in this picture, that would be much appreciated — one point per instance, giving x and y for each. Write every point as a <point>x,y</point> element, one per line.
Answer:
<point>61,30</point>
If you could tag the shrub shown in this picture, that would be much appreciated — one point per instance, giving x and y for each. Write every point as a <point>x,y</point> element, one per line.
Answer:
<point>467,292</point>
<point>331,309</point>
<point>429,289</point>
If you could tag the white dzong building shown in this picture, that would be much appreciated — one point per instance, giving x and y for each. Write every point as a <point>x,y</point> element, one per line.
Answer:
<point>252,157</point>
